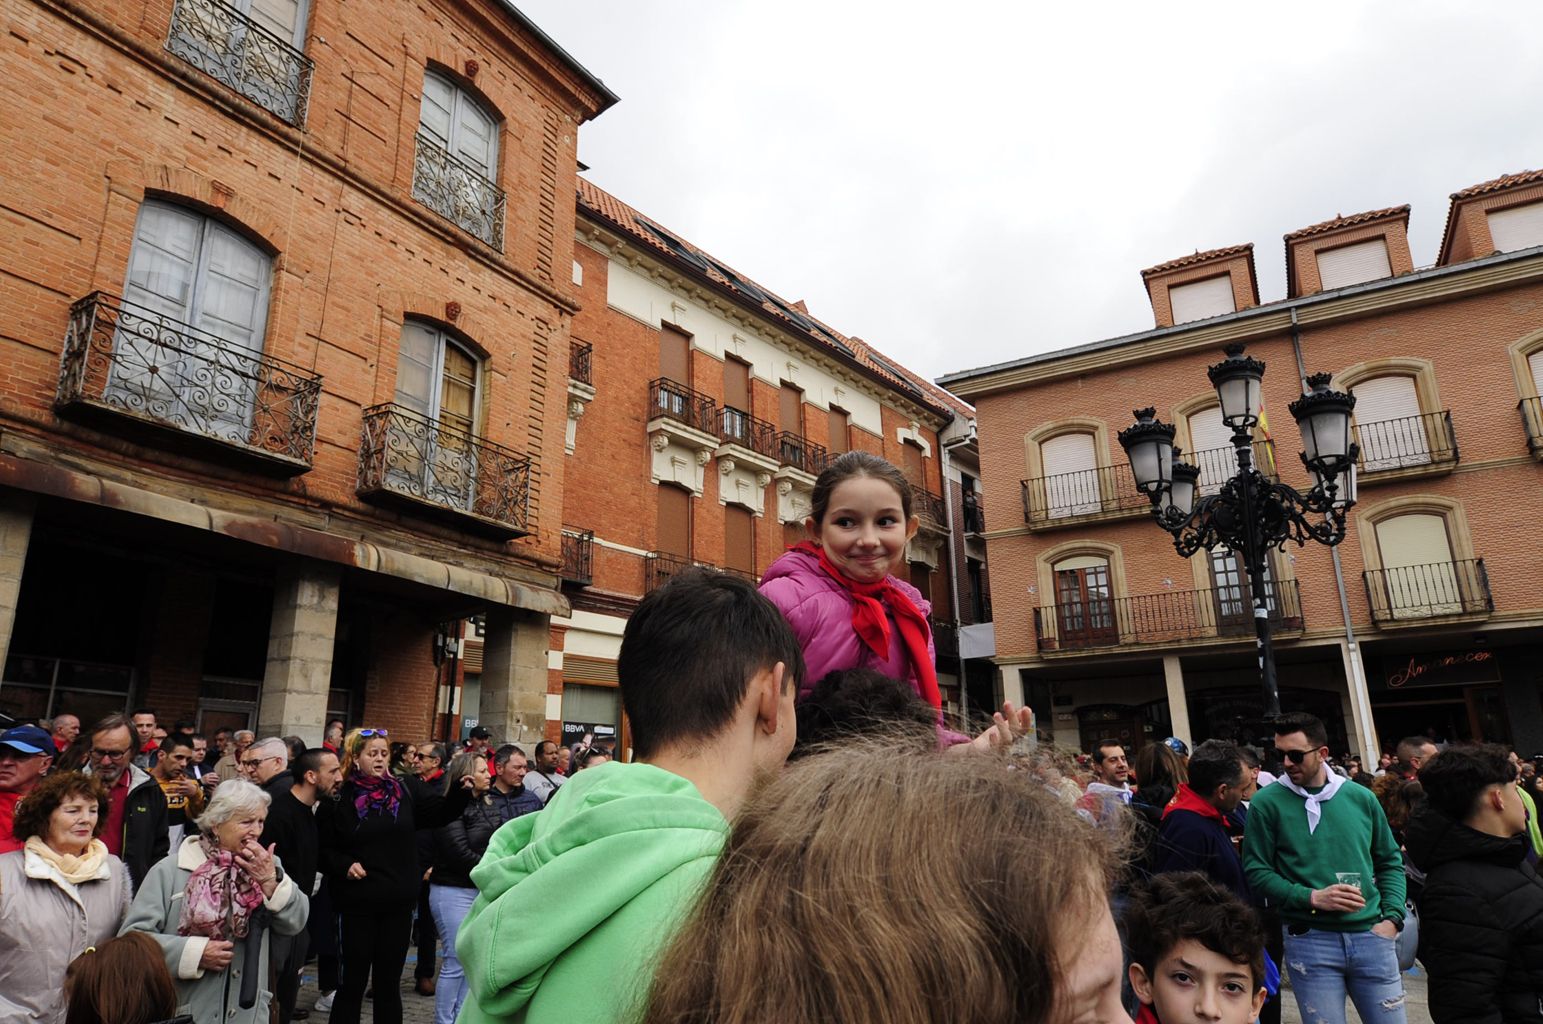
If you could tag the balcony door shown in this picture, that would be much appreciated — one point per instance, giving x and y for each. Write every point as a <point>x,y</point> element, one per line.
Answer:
<point>1419,578</point>
<point>188,342</point>
<point>1070,466</point>
<point>1234,593</point>
<point>435,455</point>
<point>736,402</point>
<point>1389,426</point>
<point>455,174</point>
<point>1211,450</point>
<point>1084,602</point>
<point>739,539</point>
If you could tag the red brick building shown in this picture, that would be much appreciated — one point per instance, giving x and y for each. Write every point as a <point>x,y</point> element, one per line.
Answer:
<point>284,367</point>
<point>1428,616</point>
<point>701,407</point>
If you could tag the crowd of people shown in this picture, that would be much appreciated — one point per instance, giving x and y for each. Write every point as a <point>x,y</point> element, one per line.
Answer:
<point>794,833</point>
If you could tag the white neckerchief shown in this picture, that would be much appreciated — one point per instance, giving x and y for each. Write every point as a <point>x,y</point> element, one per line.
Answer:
<point>1314,811</point>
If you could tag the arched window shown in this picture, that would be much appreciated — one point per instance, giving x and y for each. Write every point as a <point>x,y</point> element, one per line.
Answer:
<point>1389,426</point>
<point>1420,577</point>
<point>456,166</point>
<point>195,314</point>
<point>1070,485</point>
<point>438,381</point>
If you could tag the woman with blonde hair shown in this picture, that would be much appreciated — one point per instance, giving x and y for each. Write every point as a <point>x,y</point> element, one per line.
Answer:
<point>214,896</point>
<point>870,884</point>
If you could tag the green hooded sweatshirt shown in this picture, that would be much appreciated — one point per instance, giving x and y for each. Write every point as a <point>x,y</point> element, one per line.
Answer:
<point>576,902</point>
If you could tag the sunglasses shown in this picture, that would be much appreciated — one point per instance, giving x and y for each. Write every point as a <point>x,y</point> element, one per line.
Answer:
<point>373,732</point>
<point>1298,756</point>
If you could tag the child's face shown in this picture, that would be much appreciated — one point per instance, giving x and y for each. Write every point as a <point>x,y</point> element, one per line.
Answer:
<point>1196,985</point>
<point>865,530</point>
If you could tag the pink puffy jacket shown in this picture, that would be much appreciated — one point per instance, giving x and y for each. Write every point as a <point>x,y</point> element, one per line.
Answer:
<point>820,611</point>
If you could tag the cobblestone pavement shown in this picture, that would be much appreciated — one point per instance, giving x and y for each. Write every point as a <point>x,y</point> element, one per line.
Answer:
<point>418,1009</point>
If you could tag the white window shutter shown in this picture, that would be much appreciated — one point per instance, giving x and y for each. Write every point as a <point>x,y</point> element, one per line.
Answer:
<point>475,142</point>
<point>1202,299</point>
<point>438,103</point>
<point>1520,227</point>
<point>1418,577</point>
<point>1070,463</point>
<point>417,373</point>
<point>233,298</point>
<point>1353,264</point>
<point>164,261</point>
<point>1208,435</point>
<point>1535,363</point>
<point>1388,424</point>
<point>284,18</point>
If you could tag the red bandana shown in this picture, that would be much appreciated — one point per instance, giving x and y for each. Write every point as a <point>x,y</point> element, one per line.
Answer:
<point>1186,800</point>
<point>872,625</point>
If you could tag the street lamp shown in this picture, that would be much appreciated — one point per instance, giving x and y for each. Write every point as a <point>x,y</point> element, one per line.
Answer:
<point>1250,515</point>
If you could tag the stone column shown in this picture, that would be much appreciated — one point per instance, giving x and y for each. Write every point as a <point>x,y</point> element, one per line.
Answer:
<point>1178,702</point>
<point>300,641</point>
<point>1012,687</point>
<point>513,699</point>
<point>1360,701</point>
<point>16,508</point>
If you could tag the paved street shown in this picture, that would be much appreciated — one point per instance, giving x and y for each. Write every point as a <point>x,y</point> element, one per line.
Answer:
<point>418,1009</point>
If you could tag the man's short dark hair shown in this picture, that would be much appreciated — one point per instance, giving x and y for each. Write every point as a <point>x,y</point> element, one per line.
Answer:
<point>1250,756</point>
<point>1410,746</point>
<point>309,761</point>
<point>861,702</point>
<point>144,711</point>
<point>689,653</point>
<point>543,746</point>
<point>1214,763</point>
<point>502,755</point>
<point>1187,905</point>
<point>435,749</point>
<point>1455,779</point>
<point>1310,726</point>
<point>174,740</point>
<point>1098,749</point>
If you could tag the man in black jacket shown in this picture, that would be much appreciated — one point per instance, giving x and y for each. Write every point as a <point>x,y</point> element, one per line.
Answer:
<point>136,808</point>
<point>291,827</point>
<point>1481,912</point>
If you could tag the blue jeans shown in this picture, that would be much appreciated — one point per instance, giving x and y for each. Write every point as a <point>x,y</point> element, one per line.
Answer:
<point>449,904</point>
<point>1325,967</point>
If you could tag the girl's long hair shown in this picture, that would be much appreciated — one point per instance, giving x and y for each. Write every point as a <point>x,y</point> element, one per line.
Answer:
<point>122,981</point>
<point>883,883</point>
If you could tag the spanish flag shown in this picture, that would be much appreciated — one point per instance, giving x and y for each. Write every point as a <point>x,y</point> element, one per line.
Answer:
<point>1266,464</point>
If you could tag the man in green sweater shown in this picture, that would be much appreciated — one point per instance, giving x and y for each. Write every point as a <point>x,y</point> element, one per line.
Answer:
<point>577,901</point>
<point>1319,852</point>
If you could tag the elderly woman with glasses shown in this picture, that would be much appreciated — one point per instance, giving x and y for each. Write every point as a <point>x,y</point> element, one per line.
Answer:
<point>211,904</point>
<point>60,894</point>
<point>370,854</point>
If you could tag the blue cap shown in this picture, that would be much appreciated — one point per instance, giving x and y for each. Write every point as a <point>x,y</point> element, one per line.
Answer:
<point>28,739</point>
<point>1177,745</point>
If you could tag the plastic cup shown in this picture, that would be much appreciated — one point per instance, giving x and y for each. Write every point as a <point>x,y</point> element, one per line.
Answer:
<point>1349,878</point>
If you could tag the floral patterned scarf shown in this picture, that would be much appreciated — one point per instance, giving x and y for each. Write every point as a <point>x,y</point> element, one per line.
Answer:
<point>220,896</point>
<point>379,793</point>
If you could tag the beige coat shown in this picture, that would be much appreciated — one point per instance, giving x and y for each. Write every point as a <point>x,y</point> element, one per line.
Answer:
<point>45,922</point>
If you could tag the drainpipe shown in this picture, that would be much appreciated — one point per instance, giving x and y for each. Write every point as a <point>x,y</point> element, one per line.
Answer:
<point>953,569</point>
<point>1355,668</point>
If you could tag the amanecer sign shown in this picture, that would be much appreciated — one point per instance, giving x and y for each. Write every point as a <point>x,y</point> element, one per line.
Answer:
<point>1442,668</point>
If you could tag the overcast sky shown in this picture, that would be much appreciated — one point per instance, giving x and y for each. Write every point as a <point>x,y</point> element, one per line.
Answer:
<point>969,183</point>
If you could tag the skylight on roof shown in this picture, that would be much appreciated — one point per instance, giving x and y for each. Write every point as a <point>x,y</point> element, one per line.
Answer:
<point>905,381</point>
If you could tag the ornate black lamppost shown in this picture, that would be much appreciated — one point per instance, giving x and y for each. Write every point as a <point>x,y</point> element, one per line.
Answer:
<point>1251,515</point>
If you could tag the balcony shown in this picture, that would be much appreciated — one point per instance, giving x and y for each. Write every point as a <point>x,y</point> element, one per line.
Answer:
<point>431,467</point>
<point>581,362</point>
<point>1050,502</point>
<point>1419,592</point>
<point>231,48</point>
<point>1170,617</point>
<point>1407,446</point>
<point>798,452</point>
<point>945,641</point>
<point>1531,410</point>
<point>660,566</point>
<point>743,430</point>
<point>677,403</point>
<point>578,557</point>
<point>930,508</point>
<point>1218,465</point>
<point>130,363</point>
<point>458,192</point>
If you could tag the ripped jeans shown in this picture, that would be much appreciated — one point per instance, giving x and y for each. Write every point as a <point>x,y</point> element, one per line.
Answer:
<point>1325,967</point>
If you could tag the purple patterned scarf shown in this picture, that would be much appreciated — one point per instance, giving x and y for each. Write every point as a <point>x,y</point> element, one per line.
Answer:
<point>220,896</point>
<point>379,793</point>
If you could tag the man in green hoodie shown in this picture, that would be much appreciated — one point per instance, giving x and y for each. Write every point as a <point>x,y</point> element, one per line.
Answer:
<point>1318,850</point>
<point>576,902</point>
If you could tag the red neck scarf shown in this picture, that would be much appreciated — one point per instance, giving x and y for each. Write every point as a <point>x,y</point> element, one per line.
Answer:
<point>872,625</point>
<point>1187,800</point>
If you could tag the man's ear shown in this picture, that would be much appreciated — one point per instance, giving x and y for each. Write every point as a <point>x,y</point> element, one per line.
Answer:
<point>1142,985</point>
<point>768,695</point>
<point>1259,998</point>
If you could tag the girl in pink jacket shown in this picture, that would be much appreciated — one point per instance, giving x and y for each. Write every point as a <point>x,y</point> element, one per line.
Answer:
<point>839,593</point>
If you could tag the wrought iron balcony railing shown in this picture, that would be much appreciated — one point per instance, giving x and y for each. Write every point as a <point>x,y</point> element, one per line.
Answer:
<point>1087,492</point>
<point>1429,591</point>
<point>738,427</point>
<point>974,519</point>
<point>672,401</point>
<point>1423,440</point>
<point>429,463</point>
<point>579,557</point>
<point>929,507</point>
<point>945,640</point>
<point>128,359</point>
<point>1165,618</point>
<point>581,355</point>
<point>458,192</point>
<point>660,566</point>
<point>1532,422</point>
<point>1218,465</point>
<point>800,453</point>
<point>230,47</point>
